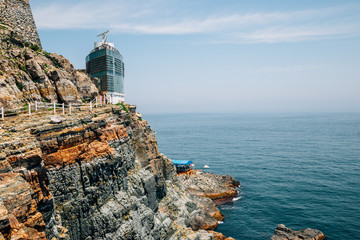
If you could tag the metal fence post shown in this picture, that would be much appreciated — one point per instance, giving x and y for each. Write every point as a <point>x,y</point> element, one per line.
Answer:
<point>90,106</point>
<point>36,107</point>
<point>54,108</point>
<point>2,113</point>
<point>96,101</point>
<point>63,108</point>
<point>29,109</point>
<point>70,107</point>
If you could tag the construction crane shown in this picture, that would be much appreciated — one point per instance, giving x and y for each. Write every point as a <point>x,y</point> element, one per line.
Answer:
<point>103,36</point>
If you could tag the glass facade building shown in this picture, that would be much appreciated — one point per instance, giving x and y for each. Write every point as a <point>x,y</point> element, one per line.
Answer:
<point>107,64</point>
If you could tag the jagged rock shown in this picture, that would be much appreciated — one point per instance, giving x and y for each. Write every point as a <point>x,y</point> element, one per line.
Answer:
<point>84,177</point>
<point>83,181</point>
<point>132,108</point>
<point>219,236</point>
<point>85,87</point>
<point>34,69</point>
<point>62,62</point>
<point>28,75</point>
<point>216,187</point>
<point>65,89</point>
<point>18,214</point>
<point>139,115</point>
<point>284,233</point>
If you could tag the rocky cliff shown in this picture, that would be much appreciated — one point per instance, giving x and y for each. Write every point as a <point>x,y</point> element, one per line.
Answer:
<point>86,175</point>
<point>28,74</point>
<point>95,175</point>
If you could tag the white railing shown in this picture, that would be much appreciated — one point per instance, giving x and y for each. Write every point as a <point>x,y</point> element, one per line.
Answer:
<point>60,108</point>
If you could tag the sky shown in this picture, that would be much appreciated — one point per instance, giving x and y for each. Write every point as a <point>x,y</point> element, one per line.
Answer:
<point>224,56</point>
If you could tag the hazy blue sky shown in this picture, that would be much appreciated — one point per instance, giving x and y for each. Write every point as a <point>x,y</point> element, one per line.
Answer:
<point>219,56</point>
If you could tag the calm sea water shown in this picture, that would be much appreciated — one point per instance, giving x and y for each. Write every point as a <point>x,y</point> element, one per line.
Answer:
<point>302,170</point>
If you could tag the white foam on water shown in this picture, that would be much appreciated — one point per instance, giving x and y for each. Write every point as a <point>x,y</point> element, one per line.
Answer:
<point>236,199</point>
<point>220,222</point>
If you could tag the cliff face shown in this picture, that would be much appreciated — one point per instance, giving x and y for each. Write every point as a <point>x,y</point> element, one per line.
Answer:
<point>91,175</point>
<point>28,74</point>
<point>97,175</point>
<point>17,15</point>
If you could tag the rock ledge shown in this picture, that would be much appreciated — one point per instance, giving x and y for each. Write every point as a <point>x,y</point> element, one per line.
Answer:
<point>283,233</point>
<point>219,188</point>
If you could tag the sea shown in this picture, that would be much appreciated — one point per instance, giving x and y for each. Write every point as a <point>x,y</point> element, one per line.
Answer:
<point>300,170</point>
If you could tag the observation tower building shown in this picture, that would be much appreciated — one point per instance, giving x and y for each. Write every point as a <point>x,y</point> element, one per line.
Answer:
<point>107,64</point>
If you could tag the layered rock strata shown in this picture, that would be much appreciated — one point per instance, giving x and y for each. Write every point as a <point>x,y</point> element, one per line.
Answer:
<point>95,175</point>
<point>284,233</point>
<point>219,188</point>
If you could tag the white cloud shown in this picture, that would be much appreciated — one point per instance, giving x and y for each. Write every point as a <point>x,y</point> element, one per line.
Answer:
<point>293,34</point>
<point>155,18</point>
<point>288,69</point>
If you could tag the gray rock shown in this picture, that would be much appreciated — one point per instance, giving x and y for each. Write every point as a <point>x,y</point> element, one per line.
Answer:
<point>56,119</point>
<point>132,109</point>
<point>34,69</point>
<point>283,233</point>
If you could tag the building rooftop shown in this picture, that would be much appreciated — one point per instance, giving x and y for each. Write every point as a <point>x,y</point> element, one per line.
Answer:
<point>105,46</point>
<point>182,162</point>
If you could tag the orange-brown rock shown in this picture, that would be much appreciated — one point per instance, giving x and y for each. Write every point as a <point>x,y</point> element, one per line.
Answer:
<point>283,233</point>
<point>19,218</point>
<point>217,215</point>
<point>218,236</point>
<point>215,187</point>
<point>87,175</point>
<point>222,195</point>
<point>57,178</point>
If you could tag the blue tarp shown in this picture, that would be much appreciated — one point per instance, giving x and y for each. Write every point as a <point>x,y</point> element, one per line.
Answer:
<point>182,162</point>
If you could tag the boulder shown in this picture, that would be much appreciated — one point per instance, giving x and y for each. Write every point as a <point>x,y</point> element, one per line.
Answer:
<point>84,85</point>
<point>34,69</point>
<point>28,75</point>
<point>216,187</point>
<point>283,233</point>
<point>65,89</point>
<point>56,119</point>
<point>62,62</point>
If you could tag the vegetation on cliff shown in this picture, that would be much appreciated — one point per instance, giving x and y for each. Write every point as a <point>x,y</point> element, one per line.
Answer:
<point>96,175</point>
<point>28,74</point>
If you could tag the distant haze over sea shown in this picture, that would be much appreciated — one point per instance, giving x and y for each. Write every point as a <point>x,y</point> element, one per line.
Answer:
<point>219,56</point>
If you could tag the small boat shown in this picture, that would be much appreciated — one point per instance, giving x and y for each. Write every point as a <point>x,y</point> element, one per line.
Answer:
<point>206,166</point>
